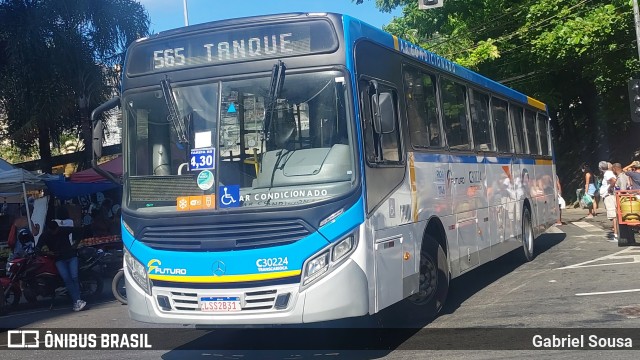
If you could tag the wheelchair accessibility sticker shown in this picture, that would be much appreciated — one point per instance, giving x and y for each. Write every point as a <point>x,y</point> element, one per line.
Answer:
<point>229,196</point>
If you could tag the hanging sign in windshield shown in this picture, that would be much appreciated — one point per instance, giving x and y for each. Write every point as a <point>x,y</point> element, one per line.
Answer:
<point>225,46</point>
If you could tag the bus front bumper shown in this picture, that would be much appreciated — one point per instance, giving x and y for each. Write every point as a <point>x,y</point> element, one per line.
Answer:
<point>340,294</point>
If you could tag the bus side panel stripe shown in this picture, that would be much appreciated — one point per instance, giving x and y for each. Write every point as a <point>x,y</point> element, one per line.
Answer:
<point>536,104</point>
<point>476,159</point>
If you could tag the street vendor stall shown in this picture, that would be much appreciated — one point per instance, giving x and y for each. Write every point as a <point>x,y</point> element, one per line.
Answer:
<point>102,241</point>
<point>20,181</point>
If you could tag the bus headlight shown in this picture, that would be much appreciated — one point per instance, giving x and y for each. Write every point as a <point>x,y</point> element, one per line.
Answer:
<point>328,259</point>
<point>137,271</point>
<point>342,248</point>
<point>316,267</point>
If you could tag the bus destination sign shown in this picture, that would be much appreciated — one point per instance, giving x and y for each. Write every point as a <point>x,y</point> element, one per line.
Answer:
<point>226,46</point>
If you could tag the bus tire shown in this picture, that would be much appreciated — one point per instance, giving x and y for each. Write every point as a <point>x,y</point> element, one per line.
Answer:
<point>527,234</point>
<point>434,280</point>
<point>118,287</point>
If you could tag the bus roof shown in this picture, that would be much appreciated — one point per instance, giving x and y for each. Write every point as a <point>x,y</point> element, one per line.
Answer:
<point>355,29</point>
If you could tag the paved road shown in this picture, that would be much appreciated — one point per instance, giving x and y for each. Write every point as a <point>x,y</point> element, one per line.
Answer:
<point>578,280</point>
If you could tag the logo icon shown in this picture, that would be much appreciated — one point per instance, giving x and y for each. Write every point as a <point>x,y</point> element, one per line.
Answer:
<point>152,264</point>
<point>219,268</point>
<point>23,339</point>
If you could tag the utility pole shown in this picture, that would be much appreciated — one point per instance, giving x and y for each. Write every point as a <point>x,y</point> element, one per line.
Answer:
<point>634,83</point>
<point>636,16</point>
<point>186,15</point>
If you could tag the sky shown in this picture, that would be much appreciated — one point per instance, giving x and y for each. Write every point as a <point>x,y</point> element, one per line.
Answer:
<point>169,14</point>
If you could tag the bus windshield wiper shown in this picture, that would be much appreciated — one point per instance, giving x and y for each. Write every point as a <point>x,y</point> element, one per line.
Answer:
<point>277,80</point>
<point>174,112</point>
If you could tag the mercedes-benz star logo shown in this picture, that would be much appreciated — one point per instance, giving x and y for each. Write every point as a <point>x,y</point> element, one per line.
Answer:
<point>219,268</point>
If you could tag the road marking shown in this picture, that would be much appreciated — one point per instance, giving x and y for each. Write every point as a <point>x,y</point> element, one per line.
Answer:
<point>554,230</point>
<point>628,253</point>
<point>608,292</point>
<point>588,236</point>
<point>586,226</point>
<point>28,312</point>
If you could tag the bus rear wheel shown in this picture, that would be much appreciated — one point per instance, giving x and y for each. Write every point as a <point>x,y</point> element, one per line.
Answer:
<point>434,281</point>
<point>527,234</point>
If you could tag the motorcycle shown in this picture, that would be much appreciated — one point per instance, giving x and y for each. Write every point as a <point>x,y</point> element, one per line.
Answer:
<point>38,276</point>
<point>118,287</point>
<point>11,294</point>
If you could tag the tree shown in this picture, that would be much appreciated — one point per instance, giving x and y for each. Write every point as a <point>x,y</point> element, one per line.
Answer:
<point>575,55</point>
<point>60,60</point>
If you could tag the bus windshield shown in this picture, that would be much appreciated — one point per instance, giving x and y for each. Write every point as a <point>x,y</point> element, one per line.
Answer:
<point>208,146</point>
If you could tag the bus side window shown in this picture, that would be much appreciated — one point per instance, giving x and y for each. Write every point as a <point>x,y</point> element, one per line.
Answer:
<point>543,130</point>
<point>532,137</point>
<point>454,113</point>
<point>517,129</point>
<point>480,120</point>
<point>500,119</point>
<point>422,113</point>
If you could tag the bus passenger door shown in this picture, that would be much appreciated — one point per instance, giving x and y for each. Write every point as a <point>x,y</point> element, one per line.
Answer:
<point>512,230</point>
<point>388,197</point>
<point>386,192</point>
<point>498,178</point>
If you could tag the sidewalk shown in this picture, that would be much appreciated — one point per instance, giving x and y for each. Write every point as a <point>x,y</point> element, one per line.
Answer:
<point>600,221</point>
<point>570,215</point>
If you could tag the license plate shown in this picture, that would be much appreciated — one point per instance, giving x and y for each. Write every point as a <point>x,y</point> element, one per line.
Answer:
<point>219,304</point>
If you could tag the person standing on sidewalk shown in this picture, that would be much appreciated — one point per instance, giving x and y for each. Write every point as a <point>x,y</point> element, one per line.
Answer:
<point>633,172</point>
<point>622,183</point>
<point>561,202</point>
<point>590,189</point>
<point>56,238</point>
<point>607,193</point>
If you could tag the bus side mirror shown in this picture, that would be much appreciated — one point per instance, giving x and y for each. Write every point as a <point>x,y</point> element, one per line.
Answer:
<point>96,144</point>
<point>97,136</point>
<point>384,117</point>
<point>98,126</point>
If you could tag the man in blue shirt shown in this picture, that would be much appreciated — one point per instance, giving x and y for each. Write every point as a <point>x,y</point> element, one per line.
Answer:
<point>633,172</point>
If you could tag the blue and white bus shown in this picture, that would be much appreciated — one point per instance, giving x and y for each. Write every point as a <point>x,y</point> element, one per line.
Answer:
<point>305,167</point>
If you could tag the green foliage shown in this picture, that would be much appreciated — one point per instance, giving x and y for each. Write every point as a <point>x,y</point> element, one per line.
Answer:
<point>59,60</point>
<point>574,55</point>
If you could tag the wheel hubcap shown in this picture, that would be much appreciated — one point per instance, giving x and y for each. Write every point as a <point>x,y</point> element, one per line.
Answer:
<point>528,241</point>
<point>428,281</point>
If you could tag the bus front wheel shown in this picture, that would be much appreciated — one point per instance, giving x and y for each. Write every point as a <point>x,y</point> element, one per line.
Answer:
<point>527,234</point>
<point>434,280</point>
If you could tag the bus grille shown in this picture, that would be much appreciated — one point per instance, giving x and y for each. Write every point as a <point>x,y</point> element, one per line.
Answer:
<point>254,300</point>
<point>227,236</point>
